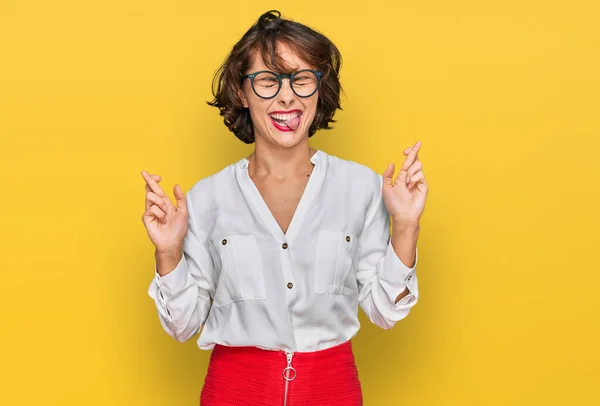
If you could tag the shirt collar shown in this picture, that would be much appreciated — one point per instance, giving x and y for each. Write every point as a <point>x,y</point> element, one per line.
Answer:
<point>315,158</point>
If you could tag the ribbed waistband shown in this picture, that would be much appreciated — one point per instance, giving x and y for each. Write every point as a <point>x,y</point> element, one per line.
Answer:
<point>249,351</point>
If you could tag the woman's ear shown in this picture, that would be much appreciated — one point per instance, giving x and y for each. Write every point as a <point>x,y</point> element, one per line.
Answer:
<point>243,98</point>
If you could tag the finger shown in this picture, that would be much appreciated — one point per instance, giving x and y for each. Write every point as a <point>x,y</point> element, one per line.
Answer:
<point>388,174</point>
<point>154,187</point>
<point>158,213</point>
<point>153,198</point>
<point>407,154</point>
<point>416,178</point>
<point>148,188</point>
<point>157,178</point>
<point>149,216</point>
<point>412,156</point>
<point>179,197</point>
<point>153,184</point>
<point>414,168</point>
<point>407,151</point>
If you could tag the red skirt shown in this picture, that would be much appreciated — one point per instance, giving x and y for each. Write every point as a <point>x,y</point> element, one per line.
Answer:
<point>250,376</point>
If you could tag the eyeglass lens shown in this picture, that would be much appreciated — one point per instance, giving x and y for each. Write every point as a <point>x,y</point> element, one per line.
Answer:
<point>266,84</point>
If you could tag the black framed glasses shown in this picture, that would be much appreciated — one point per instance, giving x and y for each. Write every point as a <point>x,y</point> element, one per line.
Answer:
<point>267,84</point>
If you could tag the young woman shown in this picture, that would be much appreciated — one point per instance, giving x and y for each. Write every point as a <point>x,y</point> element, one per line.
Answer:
<point>274,254</point>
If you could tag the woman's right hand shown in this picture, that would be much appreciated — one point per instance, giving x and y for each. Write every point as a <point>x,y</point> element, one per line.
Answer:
<point>167,225</point>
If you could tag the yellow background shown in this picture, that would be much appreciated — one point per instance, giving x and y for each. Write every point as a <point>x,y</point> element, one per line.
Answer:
<point>503,94</point>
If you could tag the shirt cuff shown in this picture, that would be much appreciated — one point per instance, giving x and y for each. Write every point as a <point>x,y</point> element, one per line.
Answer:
<point>396,276</point>
<point>173,282</point>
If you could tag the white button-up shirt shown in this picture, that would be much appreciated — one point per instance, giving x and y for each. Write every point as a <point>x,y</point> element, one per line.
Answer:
<point>249,284</point>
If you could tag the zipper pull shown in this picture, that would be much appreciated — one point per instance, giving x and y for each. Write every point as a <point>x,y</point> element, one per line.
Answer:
<point>289,367</point>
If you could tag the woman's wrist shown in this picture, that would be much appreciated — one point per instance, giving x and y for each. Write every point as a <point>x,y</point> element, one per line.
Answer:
<point>404,241</point>
<point>405,225</point>
<point>166,261</point>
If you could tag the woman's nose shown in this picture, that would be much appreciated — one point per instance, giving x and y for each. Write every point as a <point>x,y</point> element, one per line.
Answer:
<point>286,94</point>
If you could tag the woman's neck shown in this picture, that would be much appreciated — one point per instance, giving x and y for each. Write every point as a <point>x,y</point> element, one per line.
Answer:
<point>281,163</point>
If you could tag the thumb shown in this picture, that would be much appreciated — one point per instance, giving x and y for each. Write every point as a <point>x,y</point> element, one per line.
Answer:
<point>179,197</point>
<point>387,175</point>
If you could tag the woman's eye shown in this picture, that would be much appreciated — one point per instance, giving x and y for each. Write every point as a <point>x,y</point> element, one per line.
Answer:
<point>303,81</point>
<point>266,82</point>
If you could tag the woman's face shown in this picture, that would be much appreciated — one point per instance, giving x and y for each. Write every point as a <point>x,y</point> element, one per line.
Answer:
<point>270,116</point>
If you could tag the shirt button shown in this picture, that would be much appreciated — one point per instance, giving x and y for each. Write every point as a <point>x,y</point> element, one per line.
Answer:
<point>224,241</point>
<point>348,238</point>
<point>290,285</point>
<point>409,277</point>
<point>284,246</point>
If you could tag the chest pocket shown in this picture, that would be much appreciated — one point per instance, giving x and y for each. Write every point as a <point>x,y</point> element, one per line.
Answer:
<point>334,273</point>
<point>242,273</point>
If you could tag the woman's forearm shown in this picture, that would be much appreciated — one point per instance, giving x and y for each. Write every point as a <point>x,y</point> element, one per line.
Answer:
<point>404,241</point>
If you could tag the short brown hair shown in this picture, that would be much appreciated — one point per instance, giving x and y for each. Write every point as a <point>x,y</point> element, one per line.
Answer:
<point>310,45</point>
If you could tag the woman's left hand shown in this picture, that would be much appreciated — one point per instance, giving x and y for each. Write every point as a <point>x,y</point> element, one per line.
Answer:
<point>405,199</point>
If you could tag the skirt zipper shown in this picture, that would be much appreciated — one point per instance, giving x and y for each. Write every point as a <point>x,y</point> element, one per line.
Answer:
<point>289,370</point>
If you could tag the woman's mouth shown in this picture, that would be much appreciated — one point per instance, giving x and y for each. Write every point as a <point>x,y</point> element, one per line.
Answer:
<point>286,121</point>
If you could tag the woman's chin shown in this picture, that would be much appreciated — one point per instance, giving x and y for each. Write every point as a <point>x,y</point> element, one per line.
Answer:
<point>286,138</point>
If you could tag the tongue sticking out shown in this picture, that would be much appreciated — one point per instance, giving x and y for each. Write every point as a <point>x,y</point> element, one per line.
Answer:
<point>293,123</point>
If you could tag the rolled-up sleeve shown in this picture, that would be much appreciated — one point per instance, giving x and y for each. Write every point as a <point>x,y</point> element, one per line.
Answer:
<point>183,296</point>
<point>381,275</point>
